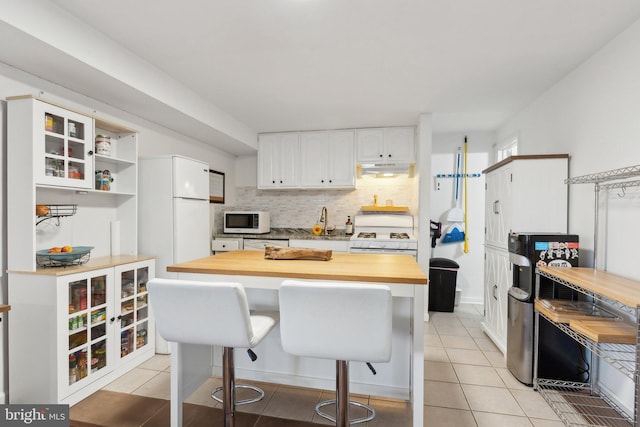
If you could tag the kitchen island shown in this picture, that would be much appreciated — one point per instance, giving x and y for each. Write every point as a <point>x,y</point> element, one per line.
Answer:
<point>402,377</point>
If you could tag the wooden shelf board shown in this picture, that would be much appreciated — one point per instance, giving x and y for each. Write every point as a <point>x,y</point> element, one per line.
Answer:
<point>605,331</point>
<point>384,208</point>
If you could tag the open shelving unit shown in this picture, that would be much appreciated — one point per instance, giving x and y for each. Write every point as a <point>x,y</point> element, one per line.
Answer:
<point>586,404</point>
<point>612,179</point>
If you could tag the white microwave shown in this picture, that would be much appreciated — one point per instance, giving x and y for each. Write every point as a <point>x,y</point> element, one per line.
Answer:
<point>247,222</point>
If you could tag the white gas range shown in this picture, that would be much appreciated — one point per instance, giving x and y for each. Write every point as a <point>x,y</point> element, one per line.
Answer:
<point>383,234</point>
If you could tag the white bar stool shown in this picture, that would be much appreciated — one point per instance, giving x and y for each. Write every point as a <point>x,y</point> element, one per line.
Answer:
<point>341,321</point>
<point>211,313</point>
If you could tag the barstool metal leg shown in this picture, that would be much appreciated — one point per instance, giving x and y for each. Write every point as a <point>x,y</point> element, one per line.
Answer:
<point>228,387</point>
<point>342,393</point>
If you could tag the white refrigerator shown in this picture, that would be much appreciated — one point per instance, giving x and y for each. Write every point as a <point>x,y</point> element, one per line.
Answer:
<point>173,214</point>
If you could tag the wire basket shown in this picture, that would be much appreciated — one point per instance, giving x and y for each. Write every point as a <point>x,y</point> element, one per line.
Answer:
<point>80,255</point>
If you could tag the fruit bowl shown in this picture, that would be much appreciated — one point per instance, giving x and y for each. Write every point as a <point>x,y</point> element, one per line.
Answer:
<point>78,256</point>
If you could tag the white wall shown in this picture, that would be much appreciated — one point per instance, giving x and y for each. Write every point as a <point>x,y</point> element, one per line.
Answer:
<point>470,277</point>
<point>593,114</point>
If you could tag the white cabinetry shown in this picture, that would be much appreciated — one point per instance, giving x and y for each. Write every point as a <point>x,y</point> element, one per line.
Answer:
<point>74,330</point>
<point>32,148</point>
<point>497,278</point>
<point>394,144</point>
<point>523,194</point>
<point>278,160</point>
<point>62,144</point>
<point>327,159</point>
<point>226,244</point>
<point>334,245</point>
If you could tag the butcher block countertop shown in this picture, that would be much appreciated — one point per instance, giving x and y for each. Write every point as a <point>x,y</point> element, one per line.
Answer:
<point>347,267</point>
<point>622,289</point>
<point>93,264</point>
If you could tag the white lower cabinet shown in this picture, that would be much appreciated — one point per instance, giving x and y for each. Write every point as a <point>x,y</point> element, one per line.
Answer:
<point>498,279</point>
<point>71,333</point>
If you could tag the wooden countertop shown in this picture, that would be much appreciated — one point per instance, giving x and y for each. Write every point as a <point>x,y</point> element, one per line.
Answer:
<point>622,289</point>
<point>92,264</point>
<point>348,267</point>
<point>4,308</point>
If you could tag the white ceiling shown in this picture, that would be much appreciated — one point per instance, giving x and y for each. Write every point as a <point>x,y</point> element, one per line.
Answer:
<point>277,65</point>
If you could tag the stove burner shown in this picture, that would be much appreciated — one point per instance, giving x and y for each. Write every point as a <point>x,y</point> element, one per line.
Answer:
<point>367,235</point>
<point>399,236</point>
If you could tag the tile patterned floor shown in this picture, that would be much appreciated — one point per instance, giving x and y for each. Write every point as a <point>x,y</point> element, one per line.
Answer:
<point>466,384</point>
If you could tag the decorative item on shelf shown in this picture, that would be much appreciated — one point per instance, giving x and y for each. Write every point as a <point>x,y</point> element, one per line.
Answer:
<point>103,180</point>
<point>103,145</point>
<point>48,122</point>
<point>78,255</point>
<point>348,227</point>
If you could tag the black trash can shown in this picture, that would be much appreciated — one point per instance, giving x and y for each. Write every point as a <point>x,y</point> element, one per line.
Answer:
<point>442,284</point>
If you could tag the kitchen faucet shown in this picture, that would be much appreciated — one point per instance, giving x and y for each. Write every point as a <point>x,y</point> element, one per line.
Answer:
<point>325,220</point>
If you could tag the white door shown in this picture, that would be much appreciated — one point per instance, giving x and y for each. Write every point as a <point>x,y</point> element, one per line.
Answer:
<point>190,178</point>
<point>191,235</point>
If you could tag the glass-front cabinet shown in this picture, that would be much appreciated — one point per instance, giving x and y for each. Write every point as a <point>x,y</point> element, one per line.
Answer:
<point>133,318</point>
<point>64,147</point>
<point>88,345</point>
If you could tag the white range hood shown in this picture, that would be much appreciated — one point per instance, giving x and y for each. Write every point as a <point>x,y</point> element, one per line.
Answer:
<point>386,169</point>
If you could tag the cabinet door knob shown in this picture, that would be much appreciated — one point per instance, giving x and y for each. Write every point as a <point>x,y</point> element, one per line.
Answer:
<point>90,152</point>
<point>496,207</point>
<point>322,181</point>
<point>112,320</point>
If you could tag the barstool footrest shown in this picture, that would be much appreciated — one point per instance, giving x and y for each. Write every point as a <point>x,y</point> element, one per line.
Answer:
<point>369,409</point>
<point>243,401</point>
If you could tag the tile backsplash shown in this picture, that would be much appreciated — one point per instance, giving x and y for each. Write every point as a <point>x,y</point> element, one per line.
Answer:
<point>301,208</point>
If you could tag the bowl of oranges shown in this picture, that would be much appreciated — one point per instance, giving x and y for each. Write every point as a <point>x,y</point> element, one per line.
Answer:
<point>62,256</point>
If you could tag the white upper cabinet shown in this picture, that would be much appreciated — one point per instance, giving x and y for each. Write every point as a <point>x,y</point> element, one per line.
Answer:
<point>63,144</point>
<point>327,159</point>
<point>278,160</point>
<point>525,194</point>
<point>386,145</point>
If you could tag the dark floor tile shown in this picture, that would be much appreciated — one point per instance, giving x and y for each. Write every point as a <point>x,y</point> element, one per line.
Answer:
<point>111,409</point>
<point>74,423</point>
<point>265,421</point>
<point>205,416</point>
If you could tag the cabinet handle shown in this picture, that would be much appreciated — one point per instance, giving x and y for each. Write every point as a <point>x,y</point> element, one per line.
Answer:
<point>273,182</point>
<point>330,181</point>
<point>322,181</point>
<point>280,181</point>
<point>380,155</point>
<point>495,289</point>
<point>90,152</point>
<point>389,155</point>
<point>112,320</point>
<point>496,206</point>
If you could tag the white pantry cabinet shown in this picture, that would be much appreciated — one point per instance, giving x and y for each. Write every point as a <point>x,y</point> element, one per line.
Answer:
<point>522,194</point>
<point>393,144</point>
<point>327,159</point>
<point>74,330</point>
<point>498,278</point>
<point>278,160</point>
<point>48,166</point>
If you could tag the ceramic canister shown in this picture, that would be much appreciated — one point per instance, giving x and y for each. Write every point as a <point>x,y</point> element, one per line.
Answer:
<point>103,145</point>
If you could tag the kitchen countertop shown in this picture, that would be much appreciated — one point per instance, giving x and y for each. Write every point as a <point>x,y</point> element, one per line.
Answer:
<point>382,268</point>
<point>288,233</point>
<point>93,264</point>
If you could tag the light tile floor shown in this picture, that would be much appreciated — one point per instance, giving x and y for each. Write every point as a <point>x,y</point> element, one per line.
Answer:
<point>466,384</point>
<point>466,379</point>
